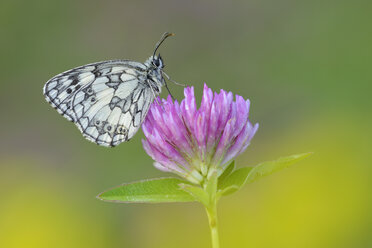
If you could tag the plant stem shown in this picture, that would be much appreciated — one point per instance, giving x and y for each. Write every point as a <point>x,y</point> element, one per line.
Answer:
<point>213,224</point>
<point>210,188</point>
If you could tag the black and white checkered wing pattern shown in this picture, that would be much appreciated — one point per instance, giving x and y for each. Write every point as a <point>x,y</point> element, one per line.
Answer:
<point>107,100</point>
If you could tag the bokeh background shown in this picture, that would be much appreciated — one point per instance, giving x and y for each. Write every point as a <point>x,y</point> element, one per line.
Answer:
<point>305,66</point>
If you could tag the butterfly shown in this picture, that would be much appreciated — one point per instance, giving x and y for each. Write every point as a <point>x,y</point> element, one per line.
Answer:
<point>108,100</point>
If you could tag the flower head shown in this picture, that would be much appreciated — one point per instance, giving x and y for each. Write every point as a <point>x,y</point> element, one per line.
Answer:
<point>190,141</point>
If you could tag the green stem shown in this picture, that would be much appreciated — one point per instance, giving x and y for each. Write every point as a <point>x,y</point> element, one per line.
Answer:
<point>213,224</point>
<point>210,187</point>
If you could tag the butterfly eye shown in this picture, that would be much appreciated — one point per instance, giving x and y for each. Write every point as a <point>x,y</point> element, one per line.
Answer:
<point>157,62</point>
<point>93,99</point>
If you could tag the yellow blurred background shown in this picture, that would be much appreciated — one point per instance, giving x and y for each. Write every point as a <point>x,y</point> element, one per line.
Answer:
<point>305,66</point>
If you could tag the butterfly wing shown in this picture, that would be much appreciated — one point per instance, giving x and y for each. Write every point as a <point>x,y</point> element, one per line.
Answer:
<point>107,100</point>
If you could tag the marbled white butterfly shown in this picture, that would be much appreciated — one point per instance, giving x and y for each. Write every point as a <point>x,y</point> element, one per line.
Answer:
<point>108,100</point>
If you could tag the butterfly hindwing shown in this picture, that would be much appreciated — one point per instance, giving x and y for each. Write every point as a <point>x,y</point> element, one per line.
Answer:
<point>107,100</point>
<point>60,89</point>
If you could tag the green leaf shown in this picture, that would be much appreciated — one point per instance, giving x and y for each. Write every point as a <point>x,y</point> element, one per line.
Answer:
<point>227,191</point>
<point>196,192</point>
<point>267,168</point>
<point>226,172</point>
<point>234,181</point>
<point>148,191</point>
<point>240,177</point>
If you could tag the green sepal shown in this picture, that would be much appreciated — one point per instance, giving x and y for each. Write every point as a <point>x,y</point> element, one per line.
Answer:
<point>207,194</point>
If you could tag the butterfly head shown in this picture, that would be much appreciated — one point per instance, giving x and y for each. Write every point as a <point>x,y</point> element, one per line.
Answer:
<point>155,67</point>
<point>158,62</point>
<point>155,62</point>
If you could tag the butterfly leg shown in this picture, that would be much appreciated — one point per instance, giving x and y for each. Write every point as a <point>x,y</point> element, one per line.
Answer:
<point>166,86</point>
<point>156,98</point>
<point>176,83</point>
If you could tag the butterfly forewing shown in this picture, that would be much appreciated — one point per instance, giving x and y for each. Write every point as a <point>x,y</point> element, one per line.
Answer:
<point>106,100</point>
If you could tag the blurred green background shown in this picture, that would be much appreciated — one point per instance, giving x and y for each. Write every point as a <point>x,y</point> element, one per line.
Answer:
<point>305,66</point>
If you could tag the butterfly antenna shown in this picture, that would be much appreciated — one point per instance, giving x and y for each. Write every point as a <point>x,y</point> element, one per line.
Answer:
<point>176,83</point>
<point>163,37</point>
